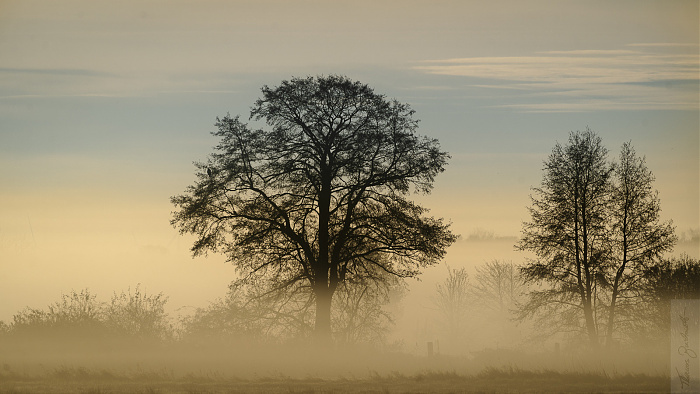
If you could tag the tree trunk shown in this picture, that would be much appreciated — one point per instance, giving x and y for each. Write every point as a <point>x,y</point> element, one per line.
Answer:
<point>590,322</point>
<point>613,301</point>
<point>322,290</point>
<point>323,315</point>
<point>616,284</point>
<point>611,319</point>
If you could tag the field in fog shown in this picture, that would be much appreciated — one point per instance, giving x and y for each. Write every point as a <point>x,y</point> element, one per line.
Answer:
<point>213,369</point>
<point>78,365</point>
<point>489,382</point>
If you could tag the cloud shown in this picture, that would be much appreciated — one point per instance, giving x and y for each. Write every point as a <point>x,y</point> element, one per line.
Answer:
<point>584,80</point>
<point>664,44</point>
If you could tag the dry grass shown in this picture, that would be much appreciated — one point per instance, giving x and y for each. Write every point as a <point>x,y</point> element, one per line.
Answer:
<point>258,369</point>
<point>490,380</point>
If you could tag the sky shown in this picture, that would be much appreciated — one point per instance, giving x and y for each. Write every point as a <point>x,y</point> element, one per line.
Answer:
<point>105,105</point>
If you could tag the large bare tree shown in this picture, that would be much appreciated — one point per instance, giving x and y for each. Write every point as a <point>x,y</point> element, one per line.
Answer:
<point>320,197</point>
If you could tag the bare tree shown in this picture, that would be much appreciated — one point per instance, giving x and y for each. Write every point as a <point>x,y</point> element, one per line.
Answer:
<point>498,285</point>
<point>496,293</point>
<point>638,238</point>
<point>452,302</point>
<point>567,231</point>
<point>321,197</point>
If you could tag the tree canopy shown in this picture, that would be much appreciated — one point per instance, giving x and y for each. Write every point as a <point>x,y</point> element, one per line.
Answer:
<point>320,196</point>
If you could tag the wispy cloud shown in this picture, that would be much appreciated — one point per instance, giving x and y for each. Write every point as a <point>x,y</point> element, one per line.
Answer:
<point>585,80</point>
<point>664,44</point>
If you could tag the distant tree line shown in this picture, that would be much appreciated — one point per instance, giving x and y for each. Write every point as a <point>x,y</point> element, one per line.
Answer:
<point>494,306</point>
<point>482,308</point>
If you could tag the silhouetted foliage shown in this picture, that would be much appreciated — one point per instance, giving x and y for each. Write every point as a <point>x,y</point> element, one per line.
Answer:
<point>250,313</point>
<point>672,279</point>
<point>77,313</point>
<point>80,317</point>
<point>320,198</point>
<point>647,319</point>
<point>138,315</point>
<point>595,228</point>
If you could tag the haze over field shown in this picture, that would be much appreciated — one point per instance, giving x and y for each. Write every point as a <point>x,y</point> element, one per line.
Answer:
<point>104,107</point>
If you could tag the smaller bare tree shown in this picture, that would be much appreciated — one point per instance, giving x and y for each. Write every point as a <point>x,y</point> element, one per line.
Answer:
<point>452,302</point>
<point>497,293</point>
<point>638,236</point>
<point>498,286</point>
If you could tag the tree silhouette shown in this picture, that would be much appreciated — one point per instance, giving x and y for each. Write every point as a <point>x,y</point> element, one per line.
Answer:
<point>359,311</point>
<point>321,197</point>
<point>497,292</point>
<point>498,285</point>
<point>567,231</point>
<point>595,229</point>
<point>451,301</point>
<point>637,236</point>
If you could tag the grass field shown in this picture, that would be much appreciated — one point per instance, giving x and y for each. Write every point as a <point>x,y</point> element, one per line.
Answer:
<point>43,378</point>
<point>488,381</point>
<point>251,368</point>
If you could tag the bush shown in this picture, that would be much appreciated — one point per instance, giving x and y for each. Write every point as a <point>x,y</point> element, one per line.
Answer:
<point>80,317</point>
<point>138,315</point>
